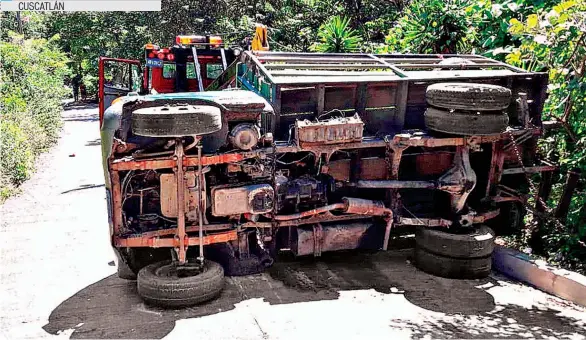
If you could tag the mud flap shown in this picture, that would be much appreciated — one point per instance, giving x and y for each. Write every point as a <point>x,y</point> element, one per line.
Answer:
<point>124,271</point>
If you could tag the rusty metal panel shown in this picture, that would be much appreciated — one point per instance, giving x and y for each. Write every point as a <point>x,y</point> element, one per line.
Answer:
<point>320,239</point>
<point>169,194</point>
<point>156,242</point>
<point>253,199</point>
<point>416,94</point>
<point>430,164</point>
<point>298,100</point>
<point>381,120</point>
<point>380,96</point>
<point>339,97</point>
<point>371,168</point>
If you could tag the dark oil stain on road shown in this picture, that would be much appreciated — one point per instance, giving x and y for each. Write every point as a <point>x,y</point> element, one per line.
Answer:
<point>111,308</point>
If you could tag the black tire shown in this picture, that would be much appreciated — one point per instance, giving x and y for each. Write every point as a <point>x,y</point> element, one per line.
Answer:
<point>468,96</point>
<point>472,268</point>
<point>176,120</point>
<point>213,141</point>
<point>159,284</point>
<point>123,269</point>
<point>464,123</point>
<point>477,242</point>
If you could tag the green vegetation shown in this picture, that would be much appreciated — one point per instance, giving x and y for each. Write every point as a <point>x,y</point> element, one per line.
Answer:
<point>434,26</point>
<point>337,37</point>
<point>31,89</point>
<point>539,35</point>
<point>553,38</point>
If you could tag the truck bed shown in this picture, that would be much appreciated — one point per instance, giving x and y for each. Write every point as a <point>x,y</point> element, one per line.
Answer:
<point>386,90</point>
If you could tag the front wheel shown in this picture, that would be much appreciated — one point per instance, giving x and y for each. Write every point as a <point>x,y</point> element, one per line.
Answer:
<point>168,284</point>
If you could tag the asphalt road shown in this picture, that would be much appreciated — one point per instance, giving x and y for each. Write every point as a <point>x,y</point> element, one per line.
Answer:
<point>58,279</point>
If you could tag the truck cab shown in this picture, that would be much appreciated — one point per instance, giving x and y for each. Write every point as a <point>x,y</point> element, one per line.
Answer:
<point>173,69</point>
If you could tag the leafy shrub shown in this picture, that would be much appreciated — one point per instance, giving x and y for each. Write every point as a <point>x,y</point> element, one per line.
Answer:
<point>31,89</point>
<point>16,157</point>
<point>337,36</point>
<point>91,84</point>
<point>493,19</point>
<point>433,26</point>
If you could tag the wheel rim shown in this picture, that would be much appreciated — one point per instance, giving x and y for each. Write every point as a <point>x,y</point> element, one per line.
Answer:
<point>178,271</point>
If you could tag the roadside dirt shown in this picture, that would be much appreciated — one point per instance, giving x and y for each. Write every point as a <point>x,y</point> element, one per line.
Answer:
<point>58,279</point>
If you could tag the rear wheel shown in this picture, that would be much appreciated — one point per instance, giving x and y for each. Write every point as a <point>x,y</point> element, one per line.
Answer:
<point>460,255</point>
<point>470,242</point>
<point>465,124</point>
<point>453,268</point>
<point>468,96</point>
<point>167,284</point>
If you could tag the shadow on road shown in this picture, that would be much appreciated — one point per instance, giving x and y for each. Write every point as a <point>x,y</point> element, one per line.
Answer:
<point>95,142</point>
<point>80,105</point>
<point>84,112</point>
<point>83,187</point>
<point>111,308</point>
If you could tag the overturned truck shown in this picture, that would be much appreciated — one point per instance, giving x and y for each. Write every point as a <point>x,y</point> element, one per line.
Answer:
<point>311,153</point>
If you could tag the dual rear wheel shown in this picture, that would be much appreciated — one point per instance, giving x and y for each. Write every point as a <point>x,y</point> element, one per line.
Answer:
<point>464,109</point>
<point>465,254</point>
<point>467,109</point>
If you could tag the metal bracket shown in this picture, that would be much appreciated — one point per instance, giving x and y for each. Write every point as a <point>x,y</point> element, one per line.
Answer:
<point>523,105</point>
<point>390,220</point>
<point>460,180</point>
<point>318,239</point>
<point>197,69</point>
<point>180,177</point>
<point>474,144</point>
<point>473,217</point>
<point>201,206</point>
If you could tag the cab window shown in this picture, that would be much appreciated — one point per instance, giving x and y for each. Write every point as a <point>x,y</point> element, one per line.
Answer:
<point>168,71</point>
<point>213,71</point>
<point>117,75</point>
<point>191,71</point>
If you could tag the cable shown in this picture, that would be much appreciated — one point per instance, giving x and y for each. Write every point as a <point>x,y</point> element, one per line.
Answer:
<point>330,112</point>
<point>290,129</point>
<point>293,162</point>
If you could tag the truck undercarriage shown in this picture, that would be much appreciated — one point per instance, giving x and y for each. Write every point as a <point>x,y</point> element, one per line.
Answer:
<point>317,153</point>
